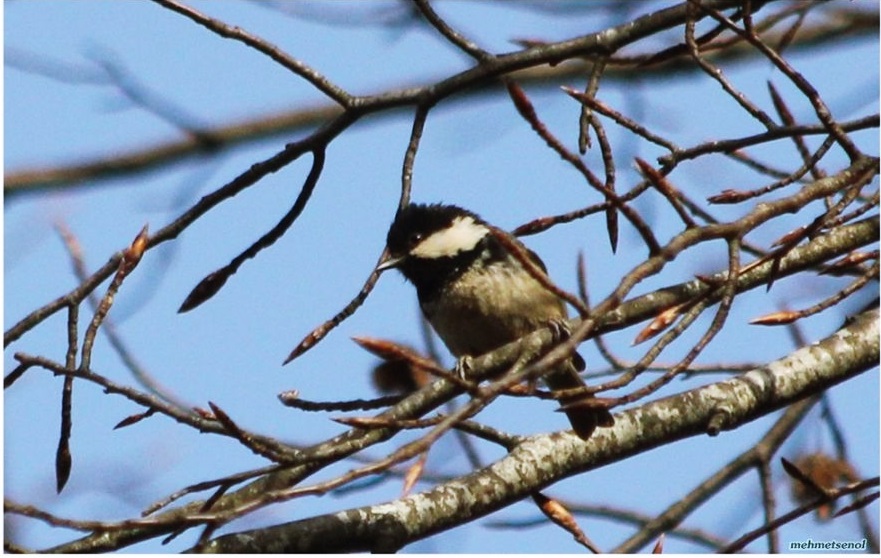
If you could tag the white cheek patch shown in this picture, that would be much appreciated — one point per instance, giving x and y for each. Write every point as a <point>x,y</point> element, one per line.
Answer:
<point>461,236</point>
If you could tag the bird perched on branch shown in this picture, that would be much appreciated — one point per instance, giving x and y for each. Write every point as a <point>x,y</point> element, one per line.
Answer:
<point>477,295</point>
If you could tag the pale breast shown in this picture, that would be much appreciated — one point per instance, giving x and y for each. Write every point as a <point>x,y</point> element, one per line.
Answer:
<point>484,309</point>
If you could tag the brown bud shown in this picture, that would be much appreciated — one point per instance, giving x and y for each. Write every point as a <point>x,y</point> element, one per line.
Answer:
<point>204,413</point>
<point>558,513</point>
<point>659,545</point>
<point>362,422</point>
<point>790,237</point>
<point>133,253</point>
<point>776,318</point>
<point>414,473</point>
<point>659,324</point>
<point>206,288</point>
<point>521,102</point>
<point>849,260</point>
<point>134,419</point>
<point>729,196</point>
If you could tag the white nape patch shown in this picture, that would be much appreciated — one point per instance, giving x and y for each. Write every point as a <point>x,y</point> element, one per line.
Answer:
<point>461,236</point>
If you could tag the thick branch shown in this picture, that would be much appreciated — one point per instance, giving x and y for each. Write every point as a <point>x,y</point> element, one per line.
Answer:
<point>542,460</point>
<point>823,248</point>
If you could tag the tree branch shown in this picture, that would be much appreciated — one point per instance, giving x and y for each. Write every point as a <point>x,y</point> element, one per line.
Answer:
<point>542,460</point>
<point>17,181</point>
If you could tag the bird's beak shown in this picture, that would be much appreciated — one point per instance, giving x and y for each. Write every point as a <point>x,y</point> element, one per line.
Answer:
<point>389,262</point>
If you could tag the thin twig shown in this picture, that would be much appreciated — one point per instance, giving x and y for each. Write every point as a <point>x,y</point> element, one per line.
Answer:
<point>460,41</point>
<point>237,33</point>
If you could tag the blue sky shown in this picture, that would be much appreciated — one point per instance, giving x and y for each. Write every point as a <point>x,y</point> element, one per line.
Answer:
<point>475,152</point>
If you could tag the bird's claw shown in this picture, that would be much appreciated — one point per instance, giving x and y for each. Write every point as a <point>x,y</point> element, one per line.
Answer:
<point>559,329</point>
<point>463,367</point>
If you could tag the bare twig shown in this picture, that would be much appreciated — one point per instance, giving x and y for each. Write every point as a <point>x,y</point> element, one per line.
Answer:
<point>236,33</point>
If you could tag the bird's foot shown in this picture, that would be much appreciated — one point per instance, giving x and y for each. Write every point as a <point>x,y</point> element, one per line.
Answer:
<point>463,367</point>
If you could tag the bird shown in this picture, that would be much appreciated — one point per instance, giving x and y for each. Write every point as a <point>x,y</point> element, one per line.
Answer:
<point>476,294</point>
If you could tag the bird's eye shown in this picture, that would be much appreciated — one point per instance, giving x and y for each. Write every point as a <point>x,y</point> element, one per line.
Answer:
<point>414,239</point>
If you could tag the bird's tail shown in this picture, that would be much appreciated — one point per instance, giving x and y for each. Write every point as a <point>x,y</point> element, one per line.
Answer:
<point>584,420</point>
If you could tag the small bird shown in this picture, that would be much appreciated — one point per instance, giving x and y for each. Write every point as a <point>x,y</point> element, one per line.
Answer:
<point>475,294</point>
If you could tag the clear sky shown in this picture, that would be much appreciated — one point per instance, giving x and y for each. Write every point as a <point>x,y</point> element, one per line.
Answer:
<point>475,152</point>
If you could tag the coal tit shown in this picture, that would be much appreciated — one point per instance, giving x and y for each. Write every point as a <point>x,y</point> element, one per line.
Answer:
<point>475,294</point>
